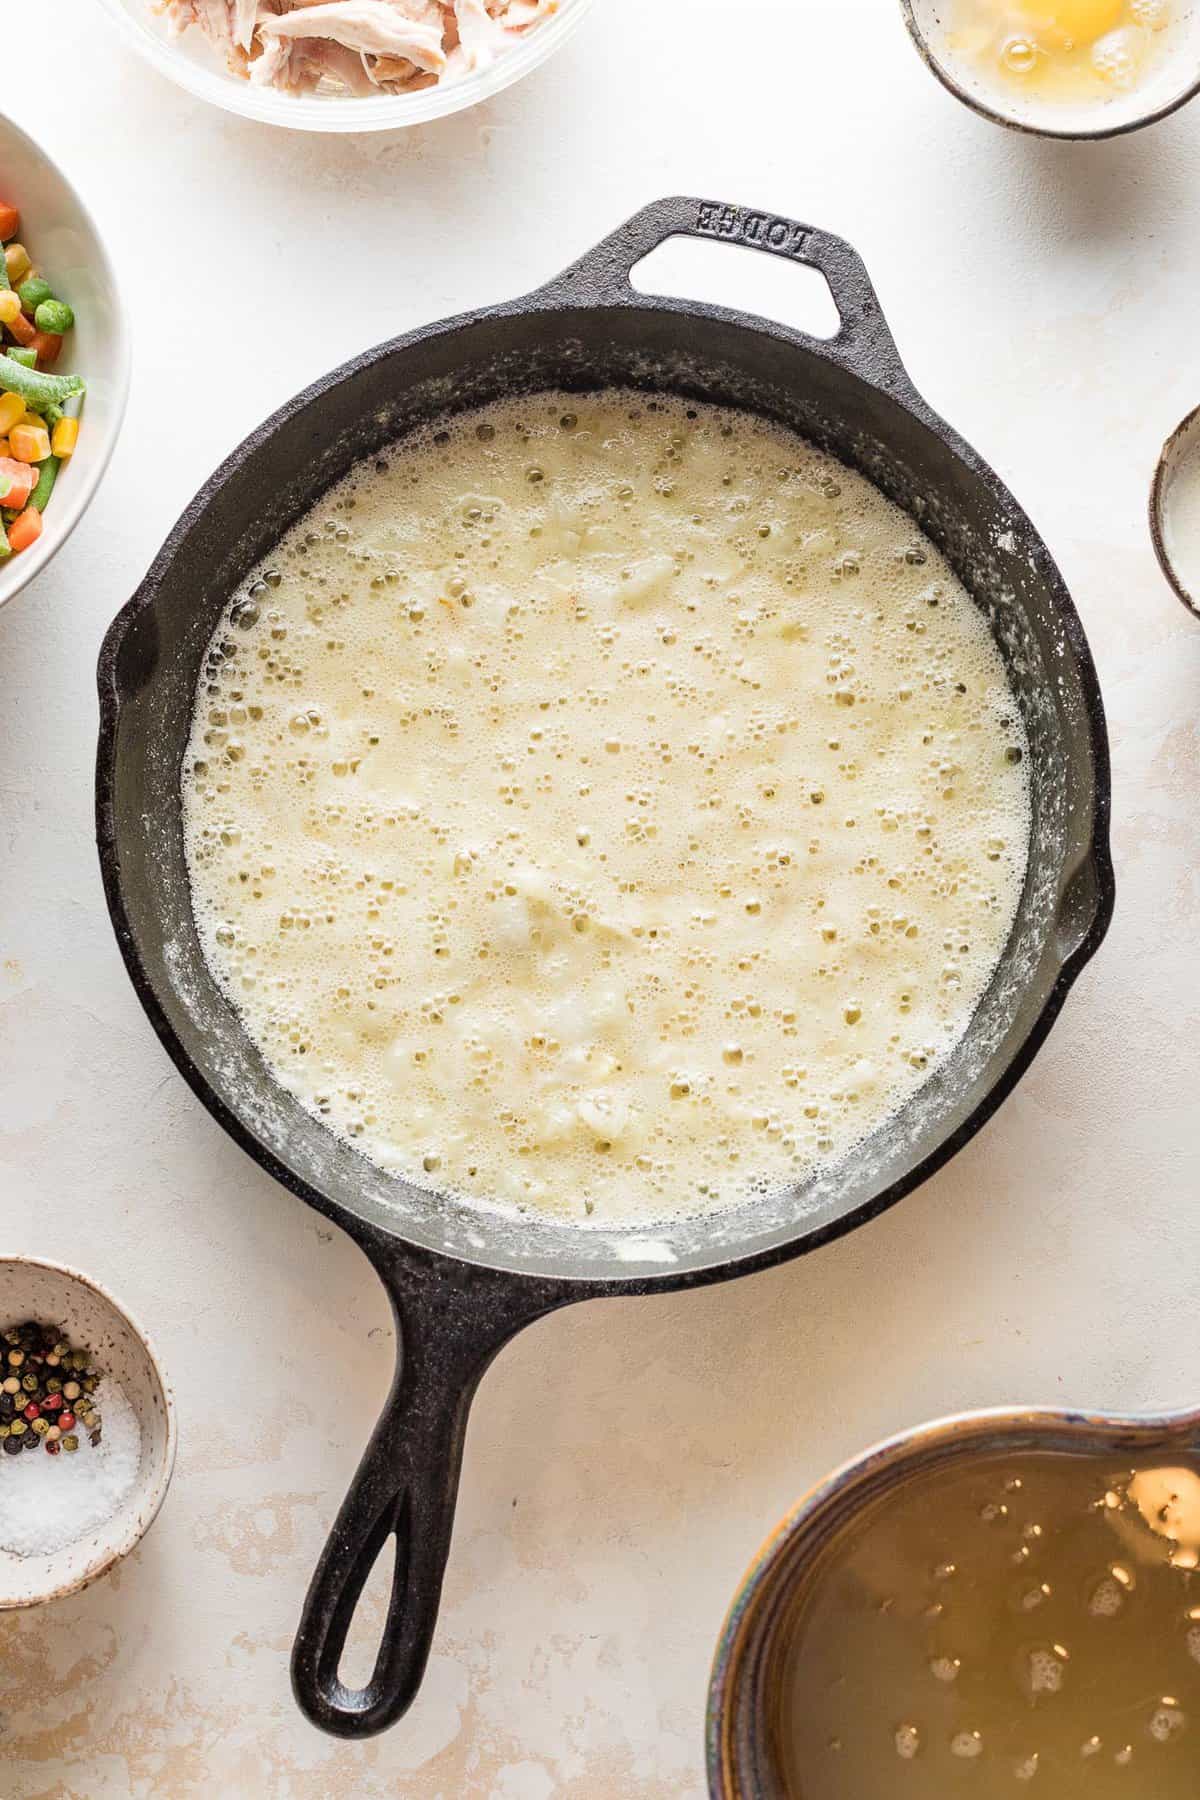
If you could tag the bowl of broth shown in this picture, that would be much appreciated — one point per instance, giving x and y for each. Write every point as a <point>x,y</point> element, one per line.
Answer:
<point>999,1602</point>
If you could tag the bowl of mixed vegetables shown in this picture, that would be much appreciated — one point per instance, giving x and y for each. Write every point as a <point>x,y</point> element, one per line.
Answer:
<point>64,360</point>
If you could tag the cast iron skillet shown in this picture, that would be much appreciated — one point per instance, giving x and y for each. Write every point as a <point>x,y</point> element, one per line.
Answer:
<point>462,1281</point>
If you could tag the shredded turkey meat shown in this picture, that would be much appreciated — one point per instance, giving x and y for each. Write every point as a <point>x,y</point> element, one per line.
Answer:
<point>359,46</point>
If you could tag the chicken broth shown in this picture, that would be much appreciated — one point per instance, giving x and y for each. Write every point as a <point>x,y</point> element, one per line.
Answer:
<point>605,805</point>
<point>1007,1625</point>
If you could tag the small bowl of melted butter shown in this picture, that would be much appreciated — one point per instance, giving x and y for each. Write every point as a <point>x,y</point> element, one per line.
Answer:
<point>1008,1602</point>
<point>1062,68</point>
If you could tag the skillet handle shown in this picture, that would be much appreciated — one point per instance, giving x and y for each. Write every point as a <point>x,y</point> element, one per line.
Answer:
<point>450,1323</point>
<point>863,342</point>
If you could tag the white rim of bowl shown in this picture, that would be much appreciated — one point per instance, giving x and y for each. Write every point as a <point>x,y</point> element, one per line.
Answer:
<point>139,1526</point>
<point>384,112</point>
<point>1187,428</point>
<point>77,494</point>
<point>1014,121</point>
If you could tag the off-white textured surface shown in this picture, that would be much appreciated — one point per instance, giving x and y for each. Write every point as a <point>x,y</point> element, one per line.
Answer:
<point>625,1458</point>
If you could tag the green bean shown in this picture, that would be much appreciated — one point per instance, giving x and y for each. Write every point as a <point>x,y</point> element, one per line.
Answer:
<point>53,315</point>
<point>52,414</point>
<point>33,290</point>
<point>47,475</point>
<point>37,389</point>
<point>21,353</point>
<point>5,546</point>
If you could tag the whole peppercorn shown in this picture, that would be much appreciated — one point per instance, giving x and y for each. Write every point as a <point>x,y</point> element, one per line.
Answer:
<point>46,1388</point>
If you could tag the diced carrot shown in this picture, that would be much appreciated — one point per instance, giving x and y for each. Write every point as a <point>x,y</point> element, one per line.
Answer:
<point>47,344</point>
<point>22,330</point>
<point>23,477</point>
<point>26,529</point>
<point>10,221</point>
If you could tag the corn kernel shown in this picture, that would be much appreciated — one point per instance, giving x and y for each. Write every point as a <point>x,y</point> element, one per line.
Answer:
<point>18,261</point>
<point>66,435</point>
<point>5,447</point>
<point>12,411</point>
<point>29,443</point>
<point>10,306</point>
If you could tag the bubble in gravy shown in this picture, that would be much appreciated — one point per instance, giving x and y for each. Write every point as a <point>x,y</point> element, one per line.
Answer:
<point>604,806</point>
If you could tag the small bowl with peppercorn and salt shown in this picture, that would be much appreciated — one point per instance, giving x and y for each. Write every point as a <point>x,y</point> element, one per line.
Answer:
<point>87,1432</point>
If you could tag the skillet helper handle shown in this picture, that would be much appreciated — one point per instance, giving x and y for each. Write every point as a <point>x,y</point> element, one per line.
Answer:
<point>863,342</point>
<point>448,1329</point>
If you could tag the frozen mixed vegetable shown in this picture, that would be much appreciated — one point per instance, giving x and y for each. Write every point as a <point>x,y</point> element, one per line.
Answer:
<point>39,411</point>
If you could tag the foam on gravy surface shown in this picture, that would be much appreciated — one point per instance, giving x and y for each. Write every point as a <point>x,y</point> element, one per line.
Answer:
<point>605,806</point>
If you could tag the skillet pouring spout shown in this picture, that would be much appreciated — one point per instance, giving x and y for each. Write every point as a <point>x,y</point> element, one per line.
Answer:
<point>462,1278</point>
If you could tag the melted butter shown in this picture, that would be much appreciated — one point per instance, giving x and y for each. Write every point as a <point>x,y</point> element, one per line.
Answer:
<point>1068,50</point>
<point>605,806</point>
<point>1036,1617</point>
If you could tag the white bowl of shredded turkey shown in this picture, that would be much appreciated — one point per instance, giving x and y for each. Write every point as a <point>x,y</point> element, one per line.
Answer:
<point>345,65</point>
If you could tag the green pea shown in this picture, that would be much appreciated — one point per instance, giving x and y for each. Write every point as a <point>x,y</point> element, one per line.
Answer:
<point>54,315</point>
<point>33,290</point>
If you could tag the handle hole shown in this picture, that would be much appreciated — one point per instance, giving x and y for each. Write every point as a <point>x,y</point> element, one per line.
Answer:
<point>364,1639</point>
<point>752,281</point>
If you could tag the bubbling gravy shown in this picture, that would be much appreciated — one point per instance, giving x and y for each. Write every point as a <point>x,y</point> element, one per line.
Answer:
<point>606,806</point>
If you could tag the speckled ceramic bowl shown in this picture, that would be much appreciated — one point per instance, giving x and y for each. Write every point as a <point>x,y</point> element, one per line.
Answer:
<point>746,1723</point>
<point>90,1317</point>
<point>1182,444</point>
<point>1171,81</point>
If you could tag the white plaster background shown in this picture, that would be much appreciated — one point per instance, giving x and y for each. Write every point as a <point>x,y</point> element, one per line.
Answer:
<point>624,1459</point>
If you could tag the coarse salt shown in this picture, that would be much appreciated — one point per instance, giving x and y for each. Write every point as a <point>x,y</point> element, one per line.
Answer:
<point>48,1502</point>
